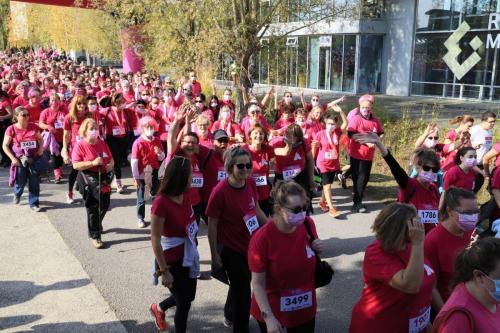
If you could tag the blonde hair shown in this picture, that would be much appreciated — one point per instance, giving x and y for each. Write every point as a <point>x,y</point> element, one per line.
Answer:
<point>73,111</point>
<point>202,119</point>
<point>17,111</point>
<point>390,225</point>
<point>84,127</point>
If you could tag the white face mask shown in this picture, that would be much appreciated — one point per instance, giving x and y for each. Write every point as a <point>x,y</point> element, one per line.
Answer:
<point>314,103</point>
<point>92,134</point>
<point>226,98</point>
<point>430,143</point>
<point>330,127</point>
<point>427,176</point>
<point>92,107</point>
<point>364,112</point>
<point>470,162</point>
<point>149,132</point>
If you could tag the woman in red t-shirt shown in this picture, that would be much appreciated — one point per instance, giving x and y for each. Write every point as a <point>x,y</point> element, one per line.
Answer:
<point>284,294</point>
<point>5,121</point>
<point>294,160</point>
<point>24,146</point>
<point>456,139</point>
<point>421,191</point>
<point>202,128</point>
<point>234,215</point>
<point>462,175</point>
<point>92,158</point>
<point>117,126</point>
<point>326,150</point>
<point>78,112</point>
<point>173,236</point>
<point>459,215</point>
<point>261,154</point>
<point>227,124</point>
<point>398,279</point>
<point>474,305</point>
<point>52,121</point>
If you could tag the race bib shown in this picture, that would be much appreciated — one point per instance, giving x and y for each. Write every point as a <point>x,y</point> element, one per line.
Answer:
<point>419,323</point>
<point>331,155</point>
<point>197,180</point>
<point>251,222</point>
<point>192,230</point>
<point>221,175</point>
<point>260,180</point>
<point>58,125</point>
<point>118,131</point>
<point>428,216</point>
<point>291,172</point>
<point>296,302</point>
<point>28,144</point>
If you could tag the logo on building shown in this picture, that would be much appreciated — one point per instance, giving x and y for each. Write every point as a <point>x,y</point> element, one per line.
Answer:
<point>452,44</point>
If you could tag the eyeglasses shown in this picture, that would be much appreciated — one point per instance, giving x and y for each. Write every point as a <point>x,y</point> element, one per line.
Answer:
<point>314,99</point>
<point>24,115</point>
<point>185,89</point>
<point>240,166</point>
<point>428,168</point>
<point>199,101</point>
<point>296,210</point>
<point>433,138</point>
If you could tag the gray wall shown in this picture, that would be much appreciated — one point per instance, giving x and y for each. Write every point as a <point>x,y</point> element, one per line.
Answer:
<point>398,47</point>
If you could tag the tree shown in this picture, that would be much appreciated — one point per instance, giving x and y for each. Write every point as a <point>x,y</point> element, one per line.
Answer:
<point>4,23</point>
<point>181,35</point>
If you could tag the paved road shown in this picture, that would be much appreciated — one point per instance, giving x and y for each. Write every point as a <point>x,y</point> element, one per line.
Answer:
<point>121,270</point>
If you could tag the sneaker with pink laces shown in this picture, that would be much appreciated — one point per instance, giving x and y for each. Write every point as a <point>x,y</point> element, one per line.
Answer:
<point>159,316</point>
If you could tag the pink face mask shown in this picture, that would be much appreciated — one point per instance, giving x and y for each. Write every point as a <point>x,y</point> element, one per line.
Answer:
<point>467,222</point>
<point>296,219</point>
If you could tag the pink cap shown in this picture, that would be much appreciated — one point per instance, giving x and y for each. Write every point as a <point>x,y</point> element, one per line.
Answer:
<point>148,121</point>
<point>367,98</point>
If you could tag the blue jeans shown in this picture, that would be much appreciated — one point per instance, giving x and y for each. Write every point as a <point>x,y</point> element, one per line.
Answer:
<point>141,189</point>
<point>30,175</point>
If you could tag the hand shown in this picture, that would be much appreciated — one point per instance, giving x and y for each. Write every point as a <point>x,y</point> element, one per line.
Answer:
<point>368,137</point>
<point>40,151</point>
<point>314,144</point>
<point>216,262</point>
<point>109,168</point>
<point>416,231</point>
<point>273,325</point>
<point>340,100</point>
<point>312,186</point>
<point>157,150</point>
<point>336,108</point>
<point>136,182</point>
<point>15,162</point>
<point>318,245</point>
<point>167,279</point>
<point>97,161</point>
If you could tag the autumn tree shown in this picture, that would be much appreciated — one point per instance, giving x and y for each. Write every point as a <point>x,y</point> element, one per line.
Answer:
<point>4,20</point>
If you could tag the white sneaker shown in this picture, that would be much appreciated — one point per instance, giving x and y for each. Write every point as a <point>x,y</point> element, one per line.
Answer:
<point>119,186</point>
<point>69,198</point>
<point>141,223</point>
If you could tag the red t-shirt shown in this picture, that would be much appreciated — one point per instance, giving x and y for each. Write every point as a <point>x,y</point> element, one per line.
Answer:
<point>205,140</point>
<point>314,128</point>
<point>231,129</point>
<point>19,101</point>
<point>212,166</point>
<point>383,308</point>
<point>260,169</point>
<point>3,107</point>
<point>133,121</point>
<point>197,181</point>
<point>289,283</point>
<point>178,219</point>
<point>34,112</point>
<point>116,122</point>
<point>328,155</point>
<point>84,151</point>
<point>195,88</point>
<point>144,151</point>
<point>24,139</point>
<point>495,179</point>
<point>425,199</point>
<point>282,124</point>
<point>441,248</point>
<point>236,211</point>
<point>458,178</point>
<point>292,164</point>
<point>73,127</point>
<point>484,320</point>
<point>54,119</point>
<point>496,146</point>
<point>362,125</point>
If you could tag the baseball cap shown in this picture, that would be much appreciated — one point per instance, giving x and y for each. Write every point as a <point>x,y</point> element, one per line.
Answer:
<point>219,134</point>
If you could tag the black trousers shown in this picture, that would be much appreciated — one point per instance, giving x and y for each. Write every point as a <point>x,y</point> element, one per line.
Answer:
<point>72,179</point>
<point>4,156</point>
<point>183,292</point>
<point>304,328</point>
<point>119,150</point>
<point>89,189</point>
<point>360,176</point>
<point>479,180</point>
<point>237,307</point>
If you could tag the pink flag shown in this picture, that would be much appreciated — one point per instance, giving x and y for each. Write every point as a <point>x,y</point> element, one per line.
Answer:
<point>132,49</point>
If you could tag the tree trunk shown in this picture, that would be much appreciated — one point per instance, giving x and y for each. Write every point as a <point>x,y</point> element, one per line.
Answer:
<point>243,82</point>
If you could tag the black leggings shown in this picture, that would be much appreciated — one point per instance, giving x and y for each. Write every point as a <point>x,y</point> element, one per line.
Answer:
<point>360,176</point>
<point>72,179</point>
<point>119,150</point>
<point>4,156</point>
<point>304,328</point>
<point>237,307</point>
<point>182,292</point>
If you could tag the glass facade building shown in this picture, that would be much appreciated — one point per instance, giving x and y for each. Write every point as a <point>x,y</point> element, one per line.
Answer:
<point>394,47</point>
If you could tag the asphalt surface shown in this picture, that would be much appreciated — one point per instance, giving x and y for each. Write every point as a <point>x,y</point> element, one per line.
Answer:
<point>121,271</point>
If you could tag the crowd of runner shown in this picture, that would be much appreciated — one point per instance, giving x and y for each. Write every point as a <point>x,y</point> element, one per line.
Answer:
<point>434,263</point>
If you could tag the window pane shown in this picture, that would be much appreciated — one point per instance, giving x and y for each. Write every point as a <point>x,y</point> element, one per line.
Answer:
<point>349,63</point>
<point>370,64</point>
<point>302,62</point>
<point>476,12</point>
<point>281,60</point>
<point>336,74</point>
<point>264,65</point>
<point>313,62</point>
<point>428,64</point>
<point>291,70</point>
<point>436,15</point>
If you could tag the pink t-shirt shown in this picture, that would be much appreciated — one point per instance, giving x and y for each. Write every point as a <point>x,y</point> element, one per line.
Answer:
<point>484,320</point>
<point>328,155</point>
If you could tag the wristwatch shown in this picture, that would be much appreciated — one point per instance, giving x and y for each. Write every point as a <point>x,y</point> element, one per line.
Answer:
<point>266,314</point>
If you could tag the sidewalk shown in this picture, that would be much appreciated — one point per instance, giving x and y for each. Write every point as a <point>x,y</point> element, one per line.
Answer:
<point>43,287</point>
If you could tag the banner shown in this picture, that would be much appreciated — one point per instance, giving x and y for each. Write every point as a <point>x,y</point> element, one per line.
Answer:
<point>132,49</point>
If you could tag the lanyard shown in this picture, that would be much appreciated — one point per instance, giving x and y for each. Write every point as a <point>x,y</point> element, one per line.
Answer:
<point>335,140</point>
<point>119,120</point>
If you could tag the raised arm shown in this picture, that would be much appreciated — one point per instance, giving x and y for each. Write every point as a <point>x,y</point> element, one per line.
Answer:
<point>338,110</point>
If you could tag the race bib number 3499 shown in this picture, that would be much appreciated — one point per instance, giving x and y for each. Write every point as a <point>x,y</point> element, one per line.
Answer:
<point>296,302</point>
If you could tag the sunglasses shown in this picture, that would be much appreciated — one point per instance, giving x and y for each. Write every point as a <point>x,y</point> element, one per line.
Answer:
<point>24,115</point>
<point>223,140</point>
<point>199,101</point>
<point>240,166</point>
<point>433,138</point>
<point>145,95</point>
<point>428,168</point>
<point>296,210</point>
<point>314,99</point>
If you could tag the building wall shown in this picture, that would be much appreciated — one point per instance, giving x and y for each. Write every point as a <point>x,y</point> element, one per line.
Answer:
<point>398,46</point>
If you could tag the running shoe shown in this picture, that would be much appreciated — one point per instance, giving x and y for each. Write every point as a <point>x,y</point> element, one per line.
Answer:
<point>334,213</point>
<point>141,223</point>
<point>16,200</point>
<point>342,180</point>
<point>97,243</point>
<point>69,198</point>
<point>362,209</point>
<point>119,186</point>
<point>323,206</point>
<point>228,323</point>
<point>36,209</point>
<point>159,316</point>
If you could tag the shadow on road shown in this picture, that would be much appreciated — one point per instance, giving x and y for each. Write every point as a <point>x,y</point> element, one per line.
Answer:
<point>15,321</point>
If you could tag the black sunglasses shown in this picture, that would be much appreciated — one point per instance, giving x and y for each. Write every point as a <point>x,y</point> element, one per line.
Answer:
<point>428,168</point>
<point>433,138</point>
<point>223,140</point>
<point>298,209</point>
<point>240,166</point>
<point>24,115</point>
<point>199,101</point>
